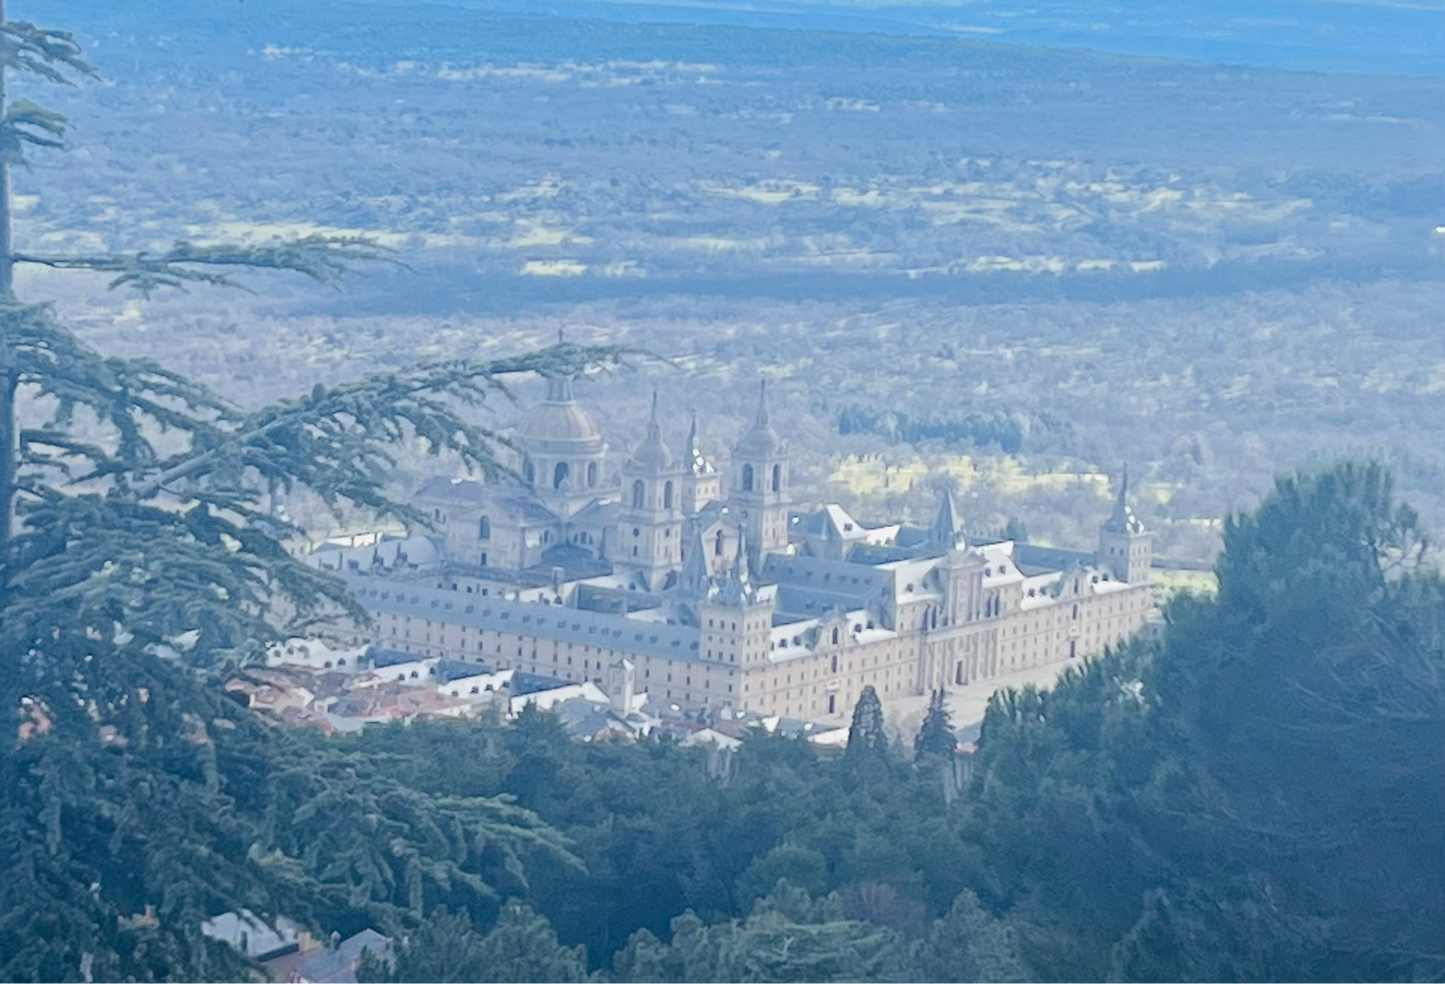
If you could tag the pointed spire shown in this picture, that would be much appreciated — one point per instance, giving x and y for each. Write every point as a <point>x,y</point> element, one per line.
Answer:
<point>760,440</point>
<point>653,455</point>
<point>695,576</point>
<point>737,587</point>
<point>947,528</point>
<point>741,564</point>
<point>695,458</point>
<point>1122,519</point>
<point>654,429</point>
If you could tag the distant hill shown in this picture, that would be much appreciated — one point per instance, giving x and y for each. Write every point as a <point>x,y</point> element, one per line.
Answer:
<point>1368,36</point>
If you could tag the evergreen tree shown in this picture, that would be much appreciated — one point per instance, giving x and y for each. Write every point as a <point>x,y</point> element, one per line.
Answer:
<point>521,947</point>
<point>936,737</point>
<point>138,801</point>
<point>789,936</point>
<point>968,944</point>
<point>867,738</point>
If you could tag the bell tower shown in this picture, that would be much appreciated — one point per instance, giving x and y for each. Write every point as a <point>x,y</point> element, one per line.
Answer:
<point>649,523</point>
<point>759,496</point>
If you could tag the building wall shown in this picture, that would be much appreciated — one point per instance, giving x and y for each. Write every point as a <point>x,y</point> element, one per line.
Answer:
<point>736,664</point>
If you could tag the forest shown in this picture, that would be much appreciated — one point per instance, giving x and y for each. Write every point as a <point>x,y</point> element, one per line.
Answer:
<point>1210,272</point>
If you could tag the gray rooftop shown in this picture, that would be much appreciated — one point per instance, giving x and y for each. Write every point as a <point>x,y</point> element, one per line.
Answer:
<point>547,621</point>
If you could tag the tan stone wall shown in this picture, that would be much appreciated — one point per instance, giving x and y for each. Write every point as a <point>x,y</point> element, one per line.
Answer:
<point>734,667</point>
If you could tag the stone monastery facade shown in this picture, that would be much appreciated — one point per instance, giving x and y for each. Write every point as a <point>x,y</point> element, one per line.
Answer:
<point>710,598</point>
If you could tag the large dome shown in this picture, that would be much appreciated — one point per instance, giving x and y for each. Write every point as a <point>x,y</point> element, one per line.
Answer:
<point>559,424</point>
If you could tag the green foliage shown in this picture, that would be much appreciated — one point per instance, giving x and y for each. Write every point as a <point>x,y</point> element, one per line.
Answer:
<point>1005,430</point>
<point>137,800</point>
<point>521,946</point>
<point>968,944</point>
<point>867,738</point>
<point>936,737</point>
<point>1258,796</point>
<point>1259,781</point>
<point>788,936</point>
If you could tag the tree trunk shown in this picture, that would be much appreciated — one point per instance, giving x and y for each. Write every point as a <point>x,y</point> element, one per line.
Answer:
<point>9,379</point>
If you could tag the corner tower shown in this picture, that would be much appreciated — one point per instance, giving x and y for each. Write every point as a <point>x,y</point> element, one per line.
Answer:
<point>759,495</point>
<point>1126,548</point>
<point>735,618</point>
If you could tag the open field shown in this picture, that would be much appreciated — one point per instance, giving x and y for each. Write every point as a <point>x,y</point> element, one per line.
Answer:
<point>1212,273</point>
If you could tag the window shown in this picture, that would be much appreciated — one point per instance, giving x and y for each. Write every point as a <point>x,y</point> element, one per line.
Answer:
<point>835,642</point>
<point>777,478</point>
<point>717,545</point>
<point>559,474</point>
<point>747,478</point>
<point>667,495</point>
<point>529,472</point>
<point>637,490</point>
<point>484,528</point>
<point>591,474</point>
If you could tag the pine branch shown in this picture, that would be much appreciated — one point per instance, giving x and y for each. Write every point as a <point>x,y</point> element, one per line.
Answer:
<point>324,259</point>
<point>332,427</point>
<point>42,51</point>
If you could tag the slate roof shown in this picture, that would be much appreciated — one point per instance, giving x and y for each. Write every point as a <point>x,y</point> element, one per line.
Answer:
<point>509,498</point>
<point>494,614</point>
<point>339,966</point>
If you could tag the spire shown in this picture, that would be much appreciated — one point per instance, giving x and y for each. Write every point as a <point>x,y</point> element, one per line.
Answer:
<point>653,455</point>
<point>760,440</point>
<point>1122,519</point>
<point>654,429</point>
<point>741,566</point>
<point>696,576</point>
<point>738,588</point>
<point>947,529</point>
<point>695,458</point>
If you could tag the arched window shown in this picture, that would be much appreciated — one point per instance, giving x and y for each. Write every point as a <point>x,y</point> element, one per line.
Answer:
<point>835,642</point>
<point>637,490</point>
<point>592,474</point>
<point>559,474</point>
<point>747,478</point>
<point>667,495</point>
<point>717,544</point>
<point>777,478</point>
<point>484,528</point>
